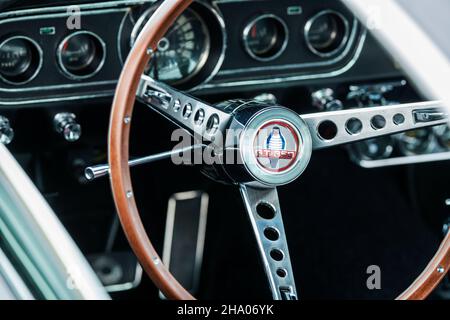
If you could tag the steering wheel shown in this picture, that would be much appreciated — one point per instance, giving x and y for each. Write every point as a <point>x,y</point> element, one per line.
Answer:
<point>272,144</point>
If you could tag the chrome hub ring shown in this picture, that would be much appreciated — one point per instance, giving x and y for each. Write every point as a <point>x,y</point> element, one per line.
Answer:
<point>276,146</point>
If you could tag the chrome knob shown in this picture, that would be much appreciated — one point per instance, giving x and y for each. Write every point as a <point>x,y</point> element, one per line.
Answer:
<point>324,100</point>
<point>6,132</point>
<point>65,124</point>
<point>371,95</point>
<point>266,97</point>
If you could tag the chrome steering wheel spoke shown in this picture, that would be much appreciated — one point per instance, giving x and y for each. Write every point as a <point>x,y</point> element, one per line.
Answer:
<point>339,127</point>
<point>187,112</point>
<point>263,208</point>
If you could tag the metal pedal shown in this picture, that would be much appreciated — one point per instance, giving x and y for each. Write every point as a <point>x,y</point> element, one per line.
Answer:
<point>184,237</point>
<point>118,271</point>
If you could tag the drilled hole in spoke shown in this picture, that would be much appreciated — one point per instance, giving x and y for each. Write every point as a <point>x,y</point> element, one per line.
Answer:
<point>176,105</point>
<point>327,130</point>
<point>187,111</point>
<point>271,233</point>
<point>282,273</point>
<point>276,254</point>
<point>199,117</point>
<point>212,125</point>
<point>354,126</point>
<point>378,122</point>
<point>398,119</point>
<point>265,210</point>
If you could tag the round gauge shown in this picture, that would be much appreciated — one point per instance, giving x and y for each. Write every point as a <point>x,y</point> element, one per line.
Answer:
<point>81,55</point>
<point>416,142</point>
<point>326,33</point>
<point>443,136</point>
<point>375,149</point>
<point>20,60</point>
<point>265,38</point>
<point>182,52</point>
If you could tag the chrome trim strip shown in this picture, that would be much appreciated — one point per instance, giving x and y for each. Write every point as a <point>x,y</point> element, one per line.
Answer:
<point>13,279</point>
<point>63,86</point>
<point>56,99</point>
<point>423,158</point>
<point>64,70</point>
<point>38,69</point>
<point>87,6</point>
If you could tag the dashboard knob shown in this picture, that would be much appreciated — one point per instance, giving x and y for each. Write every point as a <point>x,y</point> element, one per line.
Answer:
<point>266,97</point>
<point>324,100</point>
<point>65,124</point>
<point>6,132</point>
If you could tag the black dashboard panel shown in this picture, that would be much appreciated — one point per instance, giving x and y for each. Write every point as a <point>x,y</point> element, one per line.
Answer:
<point>230,65</point>
<point>297,62</point>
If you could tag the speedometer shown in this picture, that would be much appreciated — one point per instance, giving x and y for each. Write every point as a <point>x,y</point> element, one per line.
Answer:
<point>182,52</point>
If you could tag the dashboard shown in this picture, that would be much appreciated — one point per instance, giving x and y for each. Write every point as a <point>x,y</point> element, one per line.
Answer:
<point>77,52</point>
<point>60,61</point>
<point>315,53</point>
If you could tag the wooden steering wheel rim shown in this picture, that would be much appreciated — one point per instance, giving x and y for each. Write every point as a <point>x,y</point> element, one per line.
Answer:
<point>118,156</point>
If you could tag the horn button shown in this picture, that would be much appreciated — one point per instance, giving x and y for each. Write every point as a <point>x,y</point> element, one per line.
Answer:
<point>275,146</point>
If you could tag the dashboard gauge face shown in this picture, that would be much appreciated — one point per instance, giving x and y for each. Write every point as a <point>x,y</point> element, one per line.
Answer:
<point>182,52</point>
<point>81,54</point>
<point>375,149</point>
<point>416,142</point>
<point>443,135</point>
<point>326,33</point>
<point>19,60</point>
<point>265,38</point>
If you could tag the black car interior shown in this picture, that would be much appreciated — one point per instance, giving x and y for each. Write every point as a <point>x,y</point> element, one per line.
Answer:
<point>377,202</point>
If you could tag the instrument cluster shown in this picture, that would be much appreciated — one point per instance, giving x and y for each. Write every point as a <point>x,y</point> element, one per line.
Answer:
<point>213,45</point>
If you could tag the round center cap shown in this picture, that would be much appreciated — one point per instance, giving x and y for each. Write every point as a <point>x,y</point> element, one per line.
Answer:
<point>276,146</point>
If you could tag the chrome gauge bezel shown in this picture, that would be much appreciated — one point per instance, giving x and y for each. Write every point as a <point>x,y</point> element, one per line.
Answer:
<point>344,40</point>
<point>204,55</point>
<point>282,47</point>
<point>67,72</point>
<point>39,62</point>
